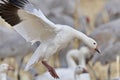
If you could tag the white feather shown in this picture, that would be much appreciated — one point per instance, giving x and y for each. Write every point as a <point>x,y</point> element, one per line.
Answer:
<point>35,57</point>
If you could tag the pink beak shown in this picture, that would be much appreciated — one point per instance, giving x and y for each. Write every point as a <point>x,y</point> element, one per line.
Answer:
<point>85,71</point>
<point>96,49</point>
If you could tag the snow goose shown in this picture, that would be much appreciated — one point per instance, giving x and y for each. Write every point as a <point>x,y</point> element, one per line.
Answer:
<point>80,56</point>
<point>32,25</point>
<point>83,52</point>
<point>3,70</point>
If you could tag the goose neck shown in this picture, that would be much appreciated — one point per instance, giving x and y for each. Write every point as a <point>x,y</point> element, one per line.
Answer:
<point>81,36</point>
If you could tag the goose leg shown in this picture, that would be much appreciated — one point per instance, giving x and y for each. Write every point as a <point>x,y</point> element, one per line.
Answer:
<point>50,69</point>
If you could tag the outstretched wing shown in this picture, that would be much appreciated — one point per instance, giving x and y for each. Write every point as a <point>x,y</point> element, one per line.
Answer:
<point>27,20</point>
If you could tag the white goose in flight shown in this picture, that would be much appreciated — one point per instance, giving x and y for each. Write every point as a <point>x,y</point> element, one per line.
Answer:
<point>32,25</point>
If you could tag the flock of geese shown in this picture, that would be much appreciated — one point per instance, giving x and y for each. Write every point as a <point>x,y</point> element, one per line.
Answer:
<point>25,29</point>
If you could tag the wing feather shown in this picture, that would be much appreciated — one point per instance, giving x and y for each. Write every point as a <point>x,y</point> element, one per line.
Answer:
<point>35,57</point>
<point>27,21</point>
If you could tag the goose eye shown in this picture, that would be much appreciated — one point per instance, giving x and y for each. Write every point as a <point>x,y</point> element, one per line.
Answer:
<point>94,43</point>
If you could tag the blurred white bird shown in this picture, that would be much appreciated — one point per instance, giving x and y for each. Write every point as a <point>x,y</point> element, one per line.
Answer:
<point>80,56</point>
<point>4,68</point>
<point>31,24</point>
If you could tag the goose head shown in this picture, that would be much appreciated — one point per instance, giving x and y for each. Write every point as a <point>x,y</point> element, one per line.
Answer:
<point>80,69</point>
<point>5,67</point>
<point>91,43</point>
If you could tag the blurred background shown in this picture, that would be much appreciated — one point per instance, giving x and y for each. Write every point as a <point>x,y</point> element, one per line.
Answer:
<point>99,19</point>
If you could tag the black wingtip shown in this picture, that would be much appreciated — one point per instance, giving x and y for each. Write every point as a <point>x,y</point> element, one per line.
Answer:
<point>19,3</point>
<point>8,12</point>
